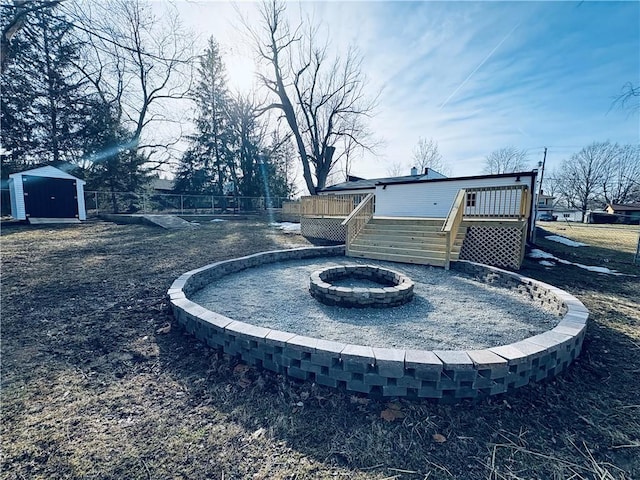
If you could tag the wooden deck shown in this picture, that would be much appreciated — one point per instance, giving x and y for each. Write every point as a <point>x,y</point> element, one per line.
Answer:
<point>405,240</point>
<point>493,218</point>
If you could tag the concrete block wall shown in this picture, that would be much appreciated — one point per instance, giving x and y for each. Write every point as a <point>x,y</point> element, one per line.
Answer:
<point>449,376</point>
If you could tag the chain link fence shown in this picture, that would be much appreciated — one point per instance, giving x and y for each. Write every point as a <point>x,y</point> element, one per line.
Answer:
<point>176,204</point>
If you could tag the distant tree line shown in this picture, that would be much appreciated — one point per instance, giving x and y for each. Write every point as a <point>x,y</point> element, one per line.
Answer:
<point>599,174</point>
<point>83,85</point>
<point>88,87</point>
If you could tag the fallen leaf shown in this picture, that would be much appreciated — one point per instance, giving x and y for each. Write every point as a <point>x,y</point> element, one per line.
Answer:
<point>244,382</point>
<point>394,406</point>
<point>390,415</point>
<point>439,438</point>
<point>240,369</point>
<point>164,330</point>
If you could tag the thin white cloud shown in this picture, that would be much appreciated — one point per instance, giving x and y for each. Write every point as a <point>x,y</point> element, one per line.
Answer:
<point>476,76</point>
<point>484,60</point>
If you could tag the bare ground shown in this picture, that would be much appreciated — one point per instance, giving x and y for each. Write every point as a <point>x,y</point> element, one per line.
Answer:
<point>98,382</point>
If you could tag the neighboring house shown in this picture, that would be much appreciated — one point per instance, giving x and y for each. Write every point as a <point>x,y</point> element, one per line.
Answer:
<point>545,205</point>
<point>629,213</point>
<point>162,185</point>
<point>570,215</point>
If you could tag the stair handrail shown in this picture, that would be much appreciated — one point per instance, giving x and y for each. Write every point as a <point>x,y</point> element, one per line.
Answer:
<point>452,224</point>
<point>358,218</point>
<point>525,204</point>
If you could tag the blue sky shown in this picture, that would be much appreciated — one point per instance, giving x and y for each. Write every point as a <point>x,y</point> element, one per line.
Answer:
<point>475,76</point>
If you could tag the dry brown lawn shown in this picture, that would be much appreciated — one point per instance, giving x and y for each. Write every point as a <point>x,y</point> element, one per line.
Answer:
<point>621,238</point>
<point>95,386</point>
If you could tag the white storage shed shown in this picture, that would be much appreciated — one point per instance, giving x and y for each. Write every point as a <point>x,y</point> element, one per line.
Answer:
<point>46,192</point>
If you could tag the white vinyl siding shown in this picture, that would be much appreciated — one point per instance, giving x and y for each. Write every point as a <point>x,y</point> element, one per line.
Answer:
<point>434,199</point>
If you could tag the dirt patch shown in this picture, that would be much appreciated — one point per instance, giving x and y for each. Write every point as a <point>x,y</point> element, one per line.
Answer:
<point>99,382</point>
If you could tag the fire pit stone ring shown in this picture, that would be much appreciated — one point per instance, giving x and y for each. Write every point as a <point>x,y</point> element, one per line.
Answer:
<point>394,288</point>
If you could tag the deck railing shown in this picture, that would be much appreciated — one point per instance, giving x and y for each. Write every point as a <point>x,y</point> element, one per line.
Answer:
<point>358,218</point>
<point>511,201</point>
<point>452,224</point>
<point>329,205</point>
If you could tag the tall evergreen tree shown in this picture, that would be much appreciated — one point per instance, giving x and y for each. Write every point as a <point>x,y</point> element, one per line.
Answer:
<point>247,136</point>
<point>112,159</point>
<point>206,165</point>
<point>46,105</point>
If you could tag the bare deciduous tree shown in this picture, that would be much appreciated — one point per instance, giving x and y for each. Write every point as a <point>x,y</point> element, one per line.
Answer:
<point>322,98</point>
<point>622,175</point>
<point>505,160</point>
<point>580,178</point>
<point>629,98</point>
<point>396,169</point>
<point>138,63</point>
<point>427,155</point>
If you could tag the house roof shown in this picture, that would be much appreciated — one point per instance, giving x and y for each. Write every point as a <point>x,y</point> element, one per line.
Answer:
<point>162,184</point>
<point>630,207</point>
<point>370,184</point>
<point>356,183</point>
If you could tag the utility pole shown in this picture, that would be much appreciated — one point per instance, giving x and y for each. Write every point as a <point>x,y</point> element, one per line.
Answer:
<point>544,160</point>
<point>537,197</point>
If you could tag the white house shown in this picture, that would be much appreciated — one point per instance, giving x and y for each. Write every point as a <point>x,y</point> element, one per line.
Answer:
<point>431,195</point>
<point>426,219</point>
<point>569,215</point>
<point>46,192</point>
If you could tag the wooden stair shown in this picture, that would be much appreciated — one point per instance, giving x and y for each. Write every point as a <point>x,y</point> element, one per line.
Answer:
<point>405,240</point>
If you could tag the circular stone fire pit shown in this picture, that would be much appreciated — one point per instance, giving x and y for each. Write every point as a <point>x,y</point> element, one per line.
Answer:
<point>394,288</point>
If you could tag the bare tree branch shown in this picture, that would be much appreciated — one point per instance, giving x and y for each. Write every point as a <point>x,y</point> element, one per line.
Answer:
<point>321,98</point>
<point>426,155</point>
<point>22,8</point>
<point>505,160</point>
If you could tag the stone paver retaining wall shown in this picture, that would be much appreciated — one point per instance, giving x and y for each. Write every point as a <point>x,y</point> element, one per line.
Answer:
<point>445,375</point>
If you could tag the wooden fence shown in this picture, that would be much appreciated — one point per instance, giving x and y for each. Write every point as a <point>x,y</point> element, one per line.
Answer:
<point>320,206</point>
<point>291,208</point>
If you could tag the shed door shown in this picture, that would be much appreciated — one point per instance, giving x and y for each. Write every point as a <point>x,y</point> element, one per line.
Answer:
<point>50,197</point>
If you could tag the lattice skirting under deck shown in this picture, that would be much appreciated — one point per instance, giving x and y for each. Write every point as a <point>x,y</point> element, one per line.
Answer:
<point>329,229</point>
<point>497,246</point>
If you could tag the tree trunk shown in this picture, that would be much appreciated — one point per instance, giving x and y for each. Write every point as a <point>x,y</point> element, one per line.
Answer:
<point>53,114</point>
